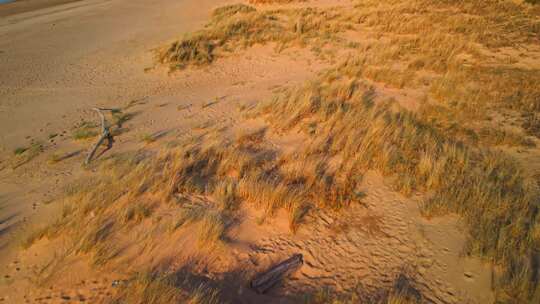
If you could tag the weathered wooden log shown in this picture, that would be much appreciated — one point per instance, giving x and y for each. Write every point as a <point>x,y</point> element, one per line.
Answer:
<point>266,280</point>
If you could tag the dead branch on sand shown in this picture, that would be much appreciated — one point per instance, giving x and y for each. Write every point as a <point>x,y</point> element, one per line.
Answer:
<point>105,134</point>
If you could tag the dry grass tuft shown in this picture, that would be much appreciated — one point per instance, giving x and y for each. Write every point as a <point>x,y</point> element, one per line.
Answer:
<point>225,193</point>
<point>155,288</point>
<point>403,292</point>
<point>137,212</point>
<point>211,230</point>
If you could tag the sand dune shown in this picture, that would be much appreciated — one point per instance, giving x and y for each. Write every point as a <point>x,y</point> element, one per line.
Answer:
<point>394,144</point>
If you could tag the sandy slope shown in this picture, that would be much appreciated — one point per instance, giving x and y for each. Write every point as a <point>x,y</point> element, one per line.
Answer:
<point>61,58</point>
<point>60,61</point>
<point>57,61</point>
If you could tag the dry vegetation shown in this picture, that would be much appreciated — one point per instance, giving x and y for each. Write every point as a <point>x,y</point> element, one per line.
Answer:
<point>240,26</point>
<point>485,186</point>
<point>448,148</point>
<point>155,288</point>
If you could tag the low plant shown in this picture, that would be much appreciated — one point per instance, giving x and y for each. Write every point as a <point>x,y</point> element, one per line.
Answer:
<point>85,130</point>
<point>26,154</point>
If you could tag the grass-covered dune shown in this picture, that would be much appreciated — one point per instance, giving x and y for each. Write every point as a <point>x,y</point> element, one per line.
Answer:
<point>457,146</point>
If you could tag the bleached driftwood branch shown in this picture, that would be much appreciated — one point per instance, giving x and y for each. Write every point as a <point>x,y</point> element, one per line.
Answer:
<point>105,134</point>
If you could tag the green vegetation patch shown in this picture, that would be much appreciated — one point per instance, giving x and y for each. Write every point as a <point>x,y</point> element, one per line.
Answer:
<point>86,130</point>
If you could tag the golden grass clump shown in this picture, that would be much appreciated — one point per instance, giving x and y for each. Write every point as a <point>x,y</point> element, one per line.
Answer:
<point>239,25</point>
<point>507,21</point>
<point>475,87</point>
<point>158,288</point>
<point>401,291</point>
<point>502,137</point>
<point>137,212</point>
<point>212,223</point>
<point>225,192</point>
<point>449,42</point>
<point>211,230</point>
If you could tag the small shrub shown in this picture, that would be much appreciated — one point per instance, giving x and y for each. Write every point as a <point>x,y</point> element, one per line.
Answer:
<point>241,26</point>
<point>136,213</point>
<point>157,288</point>
<point>403,292</point>
<point>20,150</point>
<point>296,216</point>
<point>225,194</point>
<point>24,155</point>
